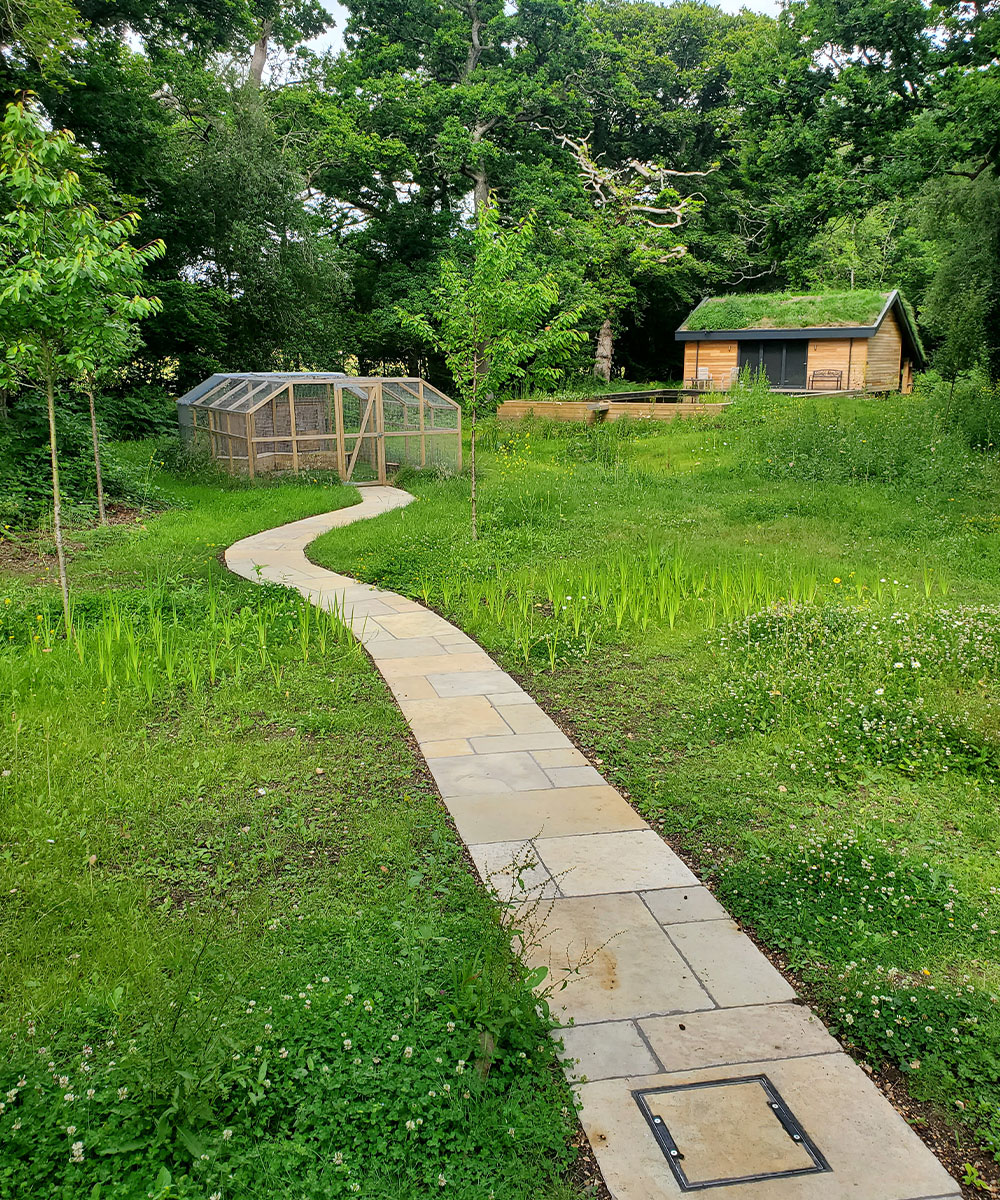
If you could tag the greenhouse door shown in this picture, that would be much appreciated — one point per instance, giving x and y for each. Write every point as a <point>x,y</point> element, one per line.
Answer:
<point>364,453</point>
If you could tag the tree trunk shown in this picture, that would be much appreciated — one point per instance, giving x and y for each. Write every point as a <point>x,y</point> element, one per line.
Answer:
<point>259,60</point>
<point>101,511</point>
<point>605,347</point>
<point>56,503</point>
<point>472,469</point>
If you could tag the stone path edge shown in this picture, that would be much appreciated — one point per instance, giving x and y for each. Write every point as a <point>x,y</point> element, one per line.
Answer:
<point>657,986</point>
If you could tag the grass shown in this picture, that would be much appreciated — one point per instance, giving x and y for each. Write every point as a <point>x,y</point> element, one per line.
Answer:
<point>787,310</point>
<point>242,954</point>
<point>788,663</point>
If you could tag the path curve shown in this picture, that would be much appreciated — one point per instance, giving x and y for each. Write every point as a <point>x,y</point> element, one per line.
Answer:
<point>663,988</point>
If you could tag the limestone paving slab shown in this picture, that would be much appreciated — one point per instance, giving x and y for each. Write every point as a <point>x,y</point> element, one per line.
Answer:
<point>551,812</point>
<point>470,683</point>
<point>588,864</point>
<point>470,716</point>
<point>608,959</point>
<point>513,871</point>
<point>873,1153</point>
<point>734,1035</point>
<point>479,774</point>
<point>677,905</point>
<point>663,987</point>
<point>606,1050</point>
<point>729,965</point>
<point>430,664</point>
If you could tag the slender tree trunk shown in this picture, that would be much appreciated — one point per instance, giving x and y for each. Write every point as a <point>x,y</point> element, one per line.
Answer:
<point>56,503</point>
<point>259,60</point>
<point>101,511</point>
<point>472,467</point>
<point>605,348</point>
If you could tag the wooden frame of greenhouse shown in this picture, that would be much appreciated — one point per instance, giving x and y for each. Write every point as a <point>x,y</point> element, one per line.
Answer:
<point>361,427</point>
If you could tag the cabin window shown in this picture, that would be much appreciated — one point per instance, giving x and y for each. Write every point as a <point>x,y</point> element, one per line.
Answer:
<point>783,362</point>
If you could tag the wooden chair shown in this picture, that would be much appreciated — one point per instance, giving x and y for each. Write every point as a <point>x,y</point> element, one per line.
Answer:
<point>829,379</point>
<point>702,381</point>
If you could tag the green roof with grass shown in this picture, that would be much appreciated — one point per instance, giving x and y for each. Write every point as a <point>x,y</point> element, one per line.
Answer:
<point>786,310</point>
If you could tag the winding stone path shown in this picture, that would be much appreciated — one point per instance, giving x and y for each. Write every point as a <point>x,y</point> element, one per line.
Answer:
<point>663,989</point>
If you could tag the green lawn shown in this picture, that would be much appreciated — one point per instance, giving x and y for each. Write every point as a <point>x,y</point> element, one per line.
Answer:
<point>241,954</point>
<point>779,633</point>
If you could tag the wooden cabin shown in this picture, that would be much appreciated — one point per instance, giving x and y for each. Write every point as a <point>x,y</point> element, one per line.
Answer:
<point>861,341</point>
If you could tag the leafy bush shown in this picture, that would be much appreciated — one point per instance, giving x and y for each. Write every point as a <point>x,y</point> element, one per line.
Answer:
<point>25,470</point>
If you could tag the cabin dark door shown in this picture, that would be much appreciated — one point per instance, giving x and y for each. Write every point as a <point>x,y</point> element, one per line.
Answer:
<point>772,360</point>
<point>749,356</point>
<point>796,356</point>
<point>784,363</point>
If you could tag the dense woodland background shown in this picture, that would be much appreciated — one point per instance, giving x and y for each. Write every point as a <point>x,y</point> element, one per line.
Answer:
<point>669,152</point>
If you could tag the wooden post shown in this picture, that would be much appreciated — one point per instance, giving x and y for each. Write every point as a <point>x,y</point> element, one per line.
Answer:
<point>458,416</point>
<point>250,444</point>
<point>329,413</point>
<point>229,436</point>
<point>291,419</point>
<point>380,434</point>
<point>423,439</point>
<point>338,417</point>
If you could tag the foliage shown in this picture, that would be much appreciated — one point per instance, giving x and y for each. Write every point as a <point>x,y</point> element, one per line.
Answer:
<point>495,324</point>
<point>69,278</point>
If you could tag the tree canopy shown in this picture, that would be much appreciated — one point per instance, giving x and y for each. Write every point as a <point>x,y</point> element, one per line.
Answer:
<point>304,197</point>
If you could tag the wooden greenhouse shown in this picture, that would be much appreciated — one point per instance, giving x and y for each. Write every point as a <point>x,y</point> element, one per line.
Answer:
<point>361,427</point>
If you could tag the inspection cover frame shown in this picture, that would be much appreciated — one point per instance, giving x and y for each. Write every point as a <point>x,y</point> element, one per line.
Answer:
<point>778,1108</point>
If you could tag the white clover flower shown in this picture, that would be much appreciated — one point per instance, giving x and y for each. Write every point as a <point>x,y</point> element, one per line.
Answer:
<point>227,1134</point>
<point>76,1152</point>
<point>348,1043</point>
<point>408,1052</point>
<point>69,1097</point>
<point>411,1125</point>
<point>122,1093</point>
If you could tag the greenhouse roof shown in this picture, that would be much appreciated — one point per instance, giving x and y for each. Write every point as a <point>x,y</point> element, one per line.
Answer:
<point>245,391</point>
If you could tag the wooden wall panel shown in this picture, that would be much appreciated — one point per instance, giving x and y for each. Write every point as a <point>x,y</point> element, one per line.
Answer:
<point>555,410</point>
<point>718,358</point>
<point>885,351</point>
<point>848,355</point>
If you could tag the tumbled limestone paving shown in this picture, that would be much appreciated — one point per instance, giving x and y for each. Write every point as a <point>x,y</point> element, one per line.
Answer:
<point>661,986</point>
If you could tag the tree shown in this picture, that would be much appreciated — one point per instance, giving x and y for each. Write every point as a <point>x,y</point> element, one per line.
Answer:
<point>493,321</point>
<point>630,234</point>
<point>69,278</point>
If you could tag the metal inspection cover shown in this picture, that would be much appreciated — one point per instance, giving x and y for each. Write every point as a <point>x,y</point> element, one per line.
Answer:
<point>728,1131</point>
